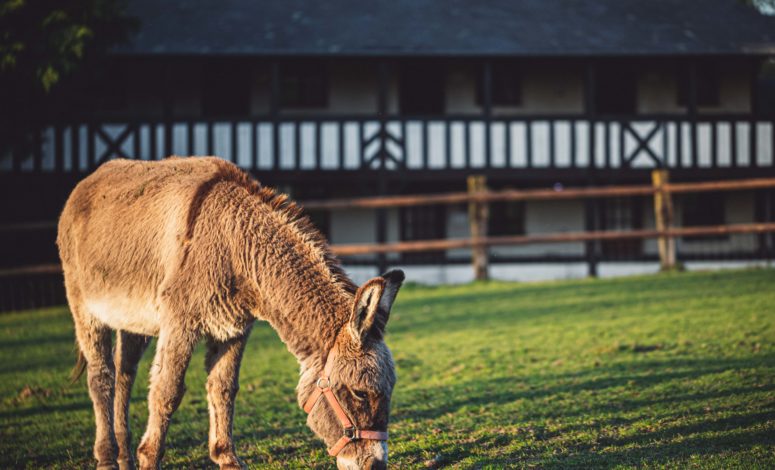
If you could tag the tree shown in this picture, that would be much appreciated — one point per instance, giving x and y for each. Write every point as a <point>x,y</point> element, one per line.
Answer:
<point>766,7</point>
<point>43,44</point>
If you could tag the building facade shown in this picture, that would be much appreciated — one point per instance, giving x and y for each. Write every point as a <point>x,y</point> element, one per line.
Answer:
<point>355,101</point>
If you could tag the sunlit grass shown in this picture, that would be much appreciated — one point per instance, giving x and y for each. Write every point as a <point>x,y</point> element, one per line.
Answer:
<point>669,371</point>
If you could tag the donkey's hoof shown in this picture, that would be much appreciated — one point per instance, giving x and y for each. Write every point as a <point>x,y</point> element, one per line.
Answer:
<point>231,462</point>
<point>238,465</point>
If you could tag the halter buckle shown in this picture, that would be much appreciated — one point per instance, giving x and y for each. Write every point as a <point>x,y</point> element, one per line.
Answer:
<point>351,433</point>
<point>321,381</point>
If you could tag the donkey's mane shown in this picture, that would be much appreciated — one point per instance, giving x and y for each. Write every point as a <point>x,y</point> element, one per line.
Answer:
<point>290,212</point>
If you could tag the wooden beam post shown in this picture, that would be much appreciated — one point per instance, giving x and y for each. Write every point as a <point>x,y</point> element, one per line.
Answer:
<point>478,215</point>
<point>663,214</point>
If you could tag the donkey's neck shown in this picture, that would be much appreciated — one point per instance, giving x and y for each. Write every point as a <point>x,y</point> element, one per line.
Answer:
<point>297,292</point>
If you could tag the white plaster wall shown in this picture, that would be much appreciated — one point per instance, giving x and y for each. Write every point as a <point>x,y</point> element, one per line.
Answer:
<point>460,274</point>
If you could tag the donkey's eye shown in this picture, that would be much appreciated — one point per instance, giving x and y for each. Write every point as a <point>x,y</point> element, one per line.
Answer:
<point>360,395</point>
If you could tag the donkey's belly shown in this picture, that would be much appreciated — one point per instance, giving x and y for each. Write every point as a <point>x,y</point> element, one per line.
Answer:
<point>134,315</point>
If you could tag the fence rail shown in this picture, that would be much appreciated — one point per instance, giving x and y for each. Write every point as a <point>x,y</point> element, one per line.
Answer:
<point>565,237</point>
<point>19,292</point>
<point>478,197</point>
<point>536,194</point>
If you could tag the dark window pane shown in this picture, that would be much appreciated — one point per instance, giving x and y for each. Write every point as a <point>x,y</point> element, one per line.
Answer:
<point>622,214</point>
<point>507,218</point>
<point>616,89</point>
<point>421,89</point>
<point>304,86</point>
<point>702,209</point>
<point>226,89</point>
<point>707,85</point>
<point>506,85</point>
<point>423,223</point>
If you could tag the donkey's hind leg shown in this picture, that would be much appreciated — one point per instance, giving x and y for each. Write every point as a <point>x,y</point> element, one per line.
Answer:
<point>95,343</point>
<point>129,350</point>
<point>223,362</point>
<point>173,353</point>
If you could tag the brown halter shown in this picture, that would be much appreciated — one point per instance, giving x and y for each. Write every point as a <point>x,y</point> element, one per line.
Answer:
<point>351,431</point>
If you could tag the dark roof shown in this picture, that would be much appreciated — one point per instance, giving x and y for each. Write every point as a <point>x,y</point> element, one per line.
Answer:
<point>449,27</point>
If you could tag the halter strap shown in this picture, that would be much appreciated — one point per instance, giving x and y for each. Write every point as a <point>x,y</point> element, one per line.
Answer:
<point>351,432</point>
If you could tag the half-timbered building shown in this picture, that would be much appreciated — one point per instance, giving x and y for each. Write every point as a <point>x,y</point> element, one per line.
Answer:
<point>343,98</point>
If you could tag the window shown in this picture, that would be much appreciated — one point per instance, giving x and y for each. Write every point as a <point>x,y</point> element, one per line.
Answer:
<point>303,86</point>
<point>226,89</point>
<point>421,89</point>
<point>707,86</point>
<point>506,86</point>
<point>506,218</point>
<point>622,214</point>
<point>702,209</point>
<point>423,223</point>
<point>616,89</point>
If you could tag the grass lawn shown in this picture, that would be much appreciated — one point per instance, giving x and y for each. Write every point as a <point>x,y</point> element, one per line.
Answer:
<point>673,370</point>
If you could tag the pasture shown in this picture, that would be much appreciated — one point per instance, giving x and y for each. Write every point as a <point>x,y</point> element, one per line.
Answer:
<point>671,370</point>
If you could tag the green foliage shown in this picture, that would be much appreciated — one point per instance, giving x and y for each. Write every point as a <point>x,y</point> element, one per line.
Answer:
<point>668,371</point>
<point>766,7</point>
<point>43,43</point>
<point>45,40</point>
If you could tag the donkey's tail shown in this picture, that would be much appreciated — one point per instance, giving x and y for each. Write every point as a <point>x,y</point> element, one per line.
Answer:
<point>80,365</point>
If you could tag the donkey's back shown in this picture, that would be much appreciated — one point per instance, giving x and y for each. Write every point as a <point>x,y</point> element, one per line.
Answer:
<point>121,234</point>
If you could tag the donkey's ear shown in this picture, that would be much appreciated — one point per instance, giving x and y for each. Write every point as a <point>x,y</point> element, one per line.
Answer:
<point>365,308</point>
<point>393,280</point>
<point>371,308</point>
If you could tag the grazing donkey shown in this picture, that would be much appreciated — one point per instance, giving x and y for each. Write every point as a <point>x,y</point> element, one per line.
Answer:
<point>192,248</point>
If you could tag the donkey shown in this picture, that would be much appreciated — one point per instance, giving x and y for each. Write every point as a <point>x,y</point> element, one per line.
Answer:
<point>186,249</point>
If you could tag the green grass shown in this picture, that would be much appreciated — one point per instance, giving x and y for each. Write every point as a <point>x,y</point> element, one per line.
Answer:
<point>673,370</point>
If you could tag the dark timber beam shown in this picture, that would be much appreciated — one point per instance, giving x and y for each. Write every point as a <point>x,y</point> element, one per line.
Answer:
<point>487,110</point>
<point>274,110</point>
<point>382,111</point>
<point>691,109</point>
<point>590,205</point>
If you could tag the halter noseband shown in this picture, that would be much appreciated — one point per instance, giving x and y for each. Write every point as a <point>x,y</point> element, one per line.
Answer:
<point>351,431</point>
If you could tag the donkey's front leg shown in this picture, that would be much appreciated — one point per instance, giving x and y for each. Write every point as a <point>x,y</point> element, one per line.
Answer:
<point>173,352</point>
<point>222,363</point>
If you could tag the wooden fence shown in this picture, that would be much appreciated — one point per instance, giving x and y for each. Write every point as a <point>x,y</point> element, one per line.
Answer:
<point>478,197</point>
<point>18,290</point>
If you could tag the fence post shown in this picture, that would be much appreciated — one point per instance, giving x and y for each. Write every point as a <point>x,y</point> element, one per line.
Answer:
<point>478,215</point>
<point>663,214</point>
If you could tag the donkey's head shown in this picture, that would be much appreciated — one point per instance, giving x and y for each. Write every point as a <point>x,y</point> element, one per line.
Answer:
<point>350,400</point>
